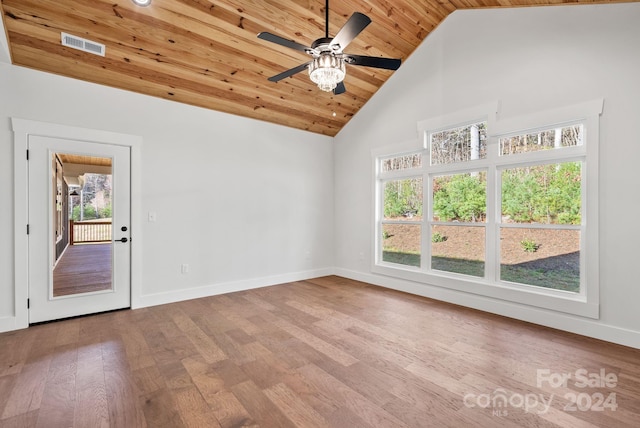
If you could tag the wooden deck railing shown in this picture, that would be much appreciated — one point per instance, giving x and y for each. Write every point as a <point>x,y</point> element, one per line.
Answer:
<point>89,231</point>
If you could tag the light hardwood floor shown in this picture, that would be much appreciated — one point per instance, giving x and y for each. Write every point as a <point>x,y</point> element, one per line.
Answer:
<point>328,352</point>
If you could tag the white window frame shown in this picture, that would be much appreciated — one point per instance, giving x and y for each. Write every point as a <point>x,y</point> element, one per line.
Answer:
<point>380,178</point>
<point>586,302</point>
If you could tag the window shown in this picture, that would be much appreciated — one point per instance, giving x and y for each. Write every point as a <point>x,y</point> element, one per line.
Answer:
<point>457,224</point>
<point>458,208</point>
<point>459,144</point>
<point>497,208</point>
<point>402,210</point>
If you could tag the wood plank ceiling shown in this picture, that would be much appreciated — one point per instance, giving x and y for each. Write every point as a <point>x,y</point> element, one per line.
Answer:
<point>206,53</point>
<point>68,159</point>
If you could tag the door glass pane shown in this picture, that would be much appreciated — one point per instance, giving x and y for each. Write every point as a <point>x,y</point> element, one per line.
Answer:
<point>82,243</point>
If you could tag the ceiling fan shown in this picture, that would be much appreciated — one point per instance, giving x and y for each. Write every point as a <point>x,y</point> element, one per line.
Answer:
<point>327,68</point>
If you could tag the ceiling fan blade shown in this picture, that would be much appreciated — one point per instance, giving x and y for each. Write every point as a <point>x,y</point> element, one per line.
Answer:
<point>282,41</point>
<point>289,73</point>
<point>354,26</point>
<point>373,61</point>
<point>340,89</point>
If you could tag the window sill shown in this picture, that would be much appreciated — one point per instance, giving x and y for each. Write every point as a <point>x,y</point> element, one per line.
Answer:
<point>554,300</point>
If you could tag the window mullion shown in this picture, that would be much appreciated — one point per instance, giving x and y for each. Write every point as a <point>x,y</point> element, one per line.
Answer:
<point>505,162</point>
<point>398,175</point>
<point>427,215</point>
<point>492,241</point>
<point>492,238</point>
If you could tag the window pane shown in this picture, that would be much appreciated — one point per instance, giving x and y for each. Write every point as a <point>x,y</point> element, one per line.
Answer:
<point>460,197</point>
<point>403,199</point>
<point>413,160</point>
<point>547,258</point>
<point>549,194</point>
<point>401,244</point>
<point>542,140</point>
<point>458,249</point>
<point>461,144</point>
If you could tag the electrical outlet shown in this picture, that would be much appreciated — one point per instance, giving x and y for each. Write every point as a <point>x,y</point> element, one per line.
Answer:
<point>152,216</point>
<point>361,256</point>
<point>184,268</point>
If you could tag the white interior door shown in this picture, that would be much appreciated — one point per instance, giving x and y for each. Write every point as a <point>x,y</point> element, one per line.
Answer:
<point>44,303</point>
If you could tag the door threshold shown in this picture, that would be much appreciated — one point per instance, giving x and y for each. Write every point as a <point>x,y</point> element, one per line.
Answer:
<point>79,316</point>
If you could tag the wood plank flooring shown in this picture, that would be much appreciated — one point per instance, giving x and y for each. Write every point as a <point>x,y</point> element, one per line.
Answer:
<point>327,352</point>
<point>82,269</point>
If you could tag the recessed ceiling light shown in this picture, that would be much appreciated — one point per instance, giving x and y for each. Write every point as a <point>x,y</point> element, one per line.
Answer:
<point>142,2</point>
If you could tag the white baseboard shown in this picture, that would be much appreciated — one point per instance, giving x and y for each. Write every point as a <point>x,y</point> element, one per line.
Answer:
<point>226,287</point>
<point>569,323</point>
<point>573,324</point>
<point>8,324</point>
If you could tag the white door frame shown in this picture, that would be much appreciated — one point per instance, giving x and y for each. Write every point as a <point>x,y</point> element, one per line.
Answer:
<point>22,129</point>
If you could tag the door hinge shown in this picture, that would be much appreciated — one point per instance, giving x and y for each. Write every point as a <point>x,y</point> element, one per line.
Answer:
<point>27,229</point>
<point>28,303</point>
<point>27,154</point>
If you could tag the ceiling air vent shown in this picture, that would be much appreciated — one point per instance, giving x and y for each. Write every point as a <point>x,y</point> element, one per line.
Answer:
<point>82,44</point>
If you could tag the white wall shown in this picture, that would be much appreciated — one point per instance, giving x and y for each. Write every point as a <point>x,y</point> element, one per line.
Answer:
<point>530,59</point>
<point>4,46</point>
<point>244,203</point>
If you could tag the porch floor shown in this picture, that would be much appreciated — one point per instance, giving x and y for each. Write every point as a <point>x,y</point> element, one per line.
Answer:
<point>83,269</point>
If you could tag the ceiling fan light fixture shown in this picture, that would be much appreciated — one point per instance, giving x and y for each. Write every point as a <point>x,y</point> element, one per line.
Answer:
<point>327,71</point>
<point>327,68</point>
<point>143,3</point>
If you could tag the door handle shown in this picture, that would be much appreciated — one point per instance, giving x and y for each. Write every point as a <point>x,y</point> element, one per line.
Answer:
<point>122,240</point>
